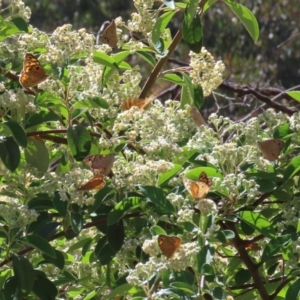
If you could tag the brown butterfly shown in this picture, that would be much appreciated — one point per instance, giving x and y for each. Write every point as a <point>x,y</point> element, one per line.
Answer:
<point>100,164</point>
<point>95,183</point>
<point>168,244</point>
<point>271,149</point>
<point>33,73</point>
<point>109,35</point>
<point>197,117</point>
<point>140,103</point>
<point>198,189</point>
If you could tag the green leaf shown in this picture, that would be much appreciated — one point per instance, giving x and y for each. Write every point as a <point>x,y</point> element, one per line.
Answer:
<point>292,169</point>
<point>105,60</point>
<point>295,95</point>
<point>7,29</point>
<point>174,79</point>
<point>76,222</point>
<point>18,132</point>
<point>79,244</point>
<point>104,253</point>
<point>58,261</point>
<point>293,292</point>
<point>121,290</point>
<point>157,196</point>
<point>160,25</point>
<point>43,288</point>
<point>165,177</point>
<point>198,97</point>
<point>205,256</point>
<point>24,274</point>
<point>20,23</point>
<point>258,222</point>
<point>60,205</point>
<point>36,154</point>
<point>10,153</point>
<point>38,243</point>
<point>120,56</point>
<point>190,12</point>
<point>274,246</point>
<point>193,33</point>
<point>242,276</point>
<point>52,101</point>
<point>282,131</point>
<point>40,118</point>
<point>208,4</point>
<point>187,93</point>
<point>246,17</point>
<point>116,236</point>
<point>11,290</point>
<point>147,57</point>
<point>219,293</point>
<point>122,208</point>
<point>40,202</point>
<point>95,102</point>
<point>79,141</point>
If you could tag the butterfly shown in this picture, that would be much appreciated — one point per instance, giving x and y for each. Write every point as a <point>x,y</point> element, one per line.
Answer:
<point>100,164</point>
<point>198,189</point>
<point>140,103</point>
<point>271,149</point>
<point>109,35</point>
<point>33,73</point>
<point>197,117</point>
<point>168,244</point>
<point>95,183</point>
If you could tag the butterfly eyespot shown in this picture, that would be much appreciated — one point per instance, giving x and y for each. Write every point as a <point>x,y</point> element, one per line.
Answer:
<point>168,244</point>
<point>33,73</point>
<point>271,149</point>
<point>198,189</point>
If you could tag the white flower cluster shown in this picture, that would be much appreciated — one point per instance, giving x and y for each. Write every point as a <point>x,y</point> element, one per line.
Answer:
<point>16,215</point>
<point>139,170</point>
<point>144,20</point>
<point>205,72</point>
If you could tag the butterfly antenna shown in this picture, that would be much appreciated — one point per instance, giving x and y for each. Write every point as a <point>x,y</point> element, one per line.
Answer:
<point>101,30</point>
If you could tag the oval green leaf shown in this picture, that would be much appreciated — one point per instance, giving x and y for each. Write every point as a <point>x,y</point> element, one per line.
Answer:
<point>79,141</point>
<point>36,154</point>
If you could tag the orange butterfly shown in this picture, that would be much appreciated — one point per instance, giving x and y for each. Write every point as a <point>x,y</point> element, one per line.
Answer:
<point>95,183</point>
<point>168,244</point>
<point>33,73</point>
<point>140,103</point>
<point>271,149</point>
<point>100,164</point>
<point>198,189</point>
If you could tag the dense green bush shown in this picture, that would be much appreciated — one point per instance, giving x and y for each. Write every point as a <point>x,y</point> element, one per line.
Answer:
<point>227,190</point>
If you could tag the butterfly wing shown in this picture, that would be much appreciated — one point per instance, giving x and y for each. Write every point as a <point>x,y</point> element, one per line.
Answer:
<point>204,179</point>
<point>109,35</point>
<point>198,189</point>
<point>95,183</point>
<point>271,149</point>
<point>33,73</point>
<point>100,164</point>
<point>197,117</point>
<point>168,244</point>
<point>140,103</point>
